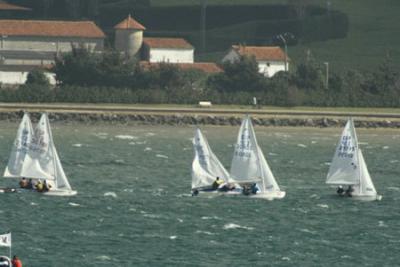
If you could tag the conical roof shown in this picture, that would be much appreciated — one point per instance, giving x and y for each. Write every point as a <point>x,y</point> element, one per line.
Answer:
<point>129,23</point>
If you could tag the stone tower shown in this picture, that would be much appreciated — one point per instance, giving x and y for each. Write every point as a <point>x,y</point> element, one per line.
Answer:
<point>128,36</point>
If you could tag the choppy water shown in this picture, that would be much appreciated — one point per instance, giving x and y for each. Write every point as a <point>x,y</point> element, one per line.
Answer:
<point>134,207</point>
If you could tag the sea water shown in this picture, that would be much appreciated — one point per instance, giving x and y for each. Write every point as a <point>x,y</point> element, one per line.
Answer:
<point>134,206</point>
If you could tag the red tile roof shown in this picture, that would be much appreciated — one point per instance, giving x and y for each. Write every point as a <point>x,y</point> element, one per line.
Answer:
<point>6,6</point>
<point>261,52</point>
<point>167,43</point>
<point>207,67</point>
<point>51,28</point>
<point>129,23</point>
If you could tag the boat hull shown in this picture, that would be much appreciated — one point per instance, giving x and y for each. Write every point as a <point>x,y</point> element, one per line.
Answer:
<point>366,197</point>
<point>61,193</point>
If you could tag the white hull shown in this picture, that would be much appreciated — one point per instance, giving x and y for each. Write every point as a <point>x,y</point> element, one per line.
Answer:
<point>366,197</point>
<point>269,195</point>
<point>49,193</point>
<point>61,193</point>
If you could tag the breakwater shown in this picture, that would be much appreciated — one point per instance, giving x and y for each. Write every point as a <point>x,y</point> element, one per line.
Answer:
<point>180,118</point>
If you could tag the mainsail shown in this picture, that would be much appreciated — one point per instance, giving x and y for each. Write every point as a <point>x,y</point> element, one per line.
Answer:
<point>39,161</point>
<point>206,166</point>
<point>245,165</point>
<point>344,168</point>
<point>20,148</point>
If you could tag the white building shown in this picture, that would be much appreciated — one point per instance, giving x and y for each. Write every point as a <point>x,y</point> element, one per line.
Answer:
<point>32,43</point>
<point>270,59</point>
<point>169,50</point>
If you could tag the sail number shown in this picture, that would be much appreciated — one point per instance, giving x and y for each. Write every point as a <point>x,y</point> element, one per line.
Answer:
<point>346,147</point>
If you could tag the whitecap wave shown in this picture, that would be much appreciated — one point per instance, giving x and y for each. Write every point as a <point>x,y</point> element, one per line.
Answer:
<point>172,237</point>
<point>148,149</point>
<point>236,226</point>
<point>301,145</point>
<point>394,161</point>
<point>325,206</point>
<point>126,137</point>
<point>34,204</point>
<point>393,188</point>
<point>385,147</point>
<point>382,224</point>
<point>103,258</point>
<point>204,232</point>
<point>77,145</point>
<point>74,204</point>
<point>110,194</point>
<point>150,134</point>
<point>305,230</point>
<point>161,156</point>
<point>210,218</point>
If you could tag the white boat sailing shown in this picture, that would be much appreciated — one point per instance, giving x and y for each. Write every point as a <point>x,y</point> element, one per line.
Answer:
<point>208,173</point>
<point>348,168</point>
<point>34,157</point>
<point>250,173</point>
<point>250,169</point>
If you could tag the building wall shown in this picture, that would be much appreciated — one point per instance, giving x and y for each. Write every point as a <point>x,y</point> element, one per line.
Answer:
<point>128,41</point>
<point>270,68</point>
<point>171,55</point>
<point>48,44</point>
<point>267,68</point>
<point>19,77</point>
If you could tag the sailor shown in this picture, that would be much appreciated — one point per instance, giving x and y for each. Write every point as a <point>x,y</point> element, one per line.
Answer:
<point>30,184</point>
<point>340,191</point>
<point>254,188</point>
<point>16,262</point>
<point>246,189</point>
<point>39,186</point>
<point>349,191</point>
<point>195,192</point>
<point>23,183</point>
<point>46,186</point>
<point>217,183</point>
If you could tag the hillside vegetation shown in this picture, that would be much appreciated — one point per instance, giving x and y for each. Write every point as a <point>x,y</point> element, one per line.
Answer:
<point>373,32</point>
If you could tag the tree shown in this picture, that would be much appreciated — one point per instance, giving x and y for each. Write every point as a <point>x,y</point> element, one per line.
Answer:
<point>240,75</point>
<point>37,77</point>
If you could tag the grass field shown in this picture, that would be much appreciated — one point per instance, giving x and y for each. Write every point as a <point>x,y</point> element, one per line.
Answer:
<point>374,33</point>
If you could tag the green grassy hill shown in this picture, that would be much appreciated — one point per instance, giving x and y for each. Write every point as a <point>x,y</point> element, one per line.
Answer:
<point>374,33</point>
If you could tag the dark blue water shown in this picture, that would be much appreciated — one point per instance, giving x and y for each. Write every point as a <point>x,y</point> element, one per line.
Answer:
<point>134,209</point>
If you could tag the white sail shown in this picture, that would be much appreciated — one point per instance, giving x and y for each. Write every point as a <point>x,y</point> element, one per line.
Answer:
<point>20,148</point>
<point>344,169</point>
<point>245,161</point>
<point>39,162</point>
<point>61,181</point>
<point>268,183</point>
<point>365,187</point>
<point>206,166</point>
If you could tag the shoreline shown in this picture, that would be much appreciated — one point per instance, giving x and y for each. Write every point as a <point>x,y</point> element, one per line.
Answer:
<point>125,115</point>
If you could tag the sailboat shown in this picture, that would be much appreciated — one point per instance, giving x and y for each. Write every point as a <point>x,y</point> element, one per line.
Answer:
<point>348,166</point>
<point>34,156</point>
<point>206,166</point>
<point>249,165</point>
